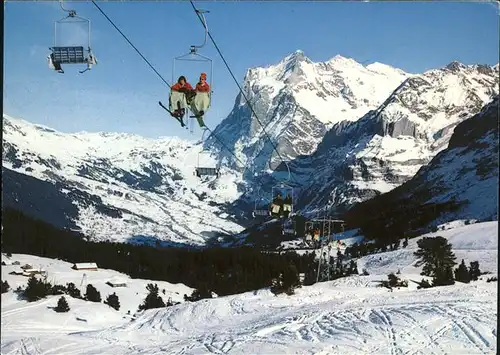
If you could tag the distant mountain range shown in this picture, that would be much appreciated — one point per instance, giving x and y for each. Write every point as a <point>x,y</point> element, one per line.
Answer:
<point>348,133</point>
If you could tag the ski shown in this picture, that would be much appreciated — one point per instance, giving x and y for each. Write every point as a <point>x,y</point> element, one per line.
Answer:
<point>171,114</point>
<point>200,120</point>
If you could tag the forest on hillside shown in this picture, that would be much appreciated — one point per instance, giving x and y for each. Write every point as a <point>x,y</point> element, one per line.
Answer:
<point>221,270</point>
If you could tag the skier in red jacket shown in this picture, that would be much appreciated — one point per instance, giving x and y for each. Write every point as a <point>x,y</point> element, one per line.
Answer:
<point>201,102</point>
<point>180,95</point>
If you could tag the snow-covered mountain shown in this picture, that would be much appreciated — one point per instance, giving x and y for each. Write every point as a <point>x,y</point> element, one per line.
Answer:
<point>297,101</point>
<point>460,182</point>
<point>387,146</point>
<point>349,132</point>
<point>113,186</point>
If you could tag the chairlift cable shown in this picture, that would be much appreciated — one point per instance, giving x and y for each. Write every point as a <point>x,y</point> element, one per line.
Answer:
<point>126,38</point>
<point>245,165</point>
<point>234,78</point>
<point>201,18</point>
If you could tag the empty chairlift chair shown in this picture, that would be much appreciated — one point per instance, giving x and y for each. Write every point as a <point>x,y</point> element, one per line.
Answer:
<point>206,170</point>
<point>65,54</point>
<point>289,227</point>
<point>261,208</point>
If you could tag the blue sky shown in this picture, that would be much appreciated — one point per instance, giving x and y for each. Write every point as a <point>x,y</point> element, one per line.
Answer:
<point>120,94</point>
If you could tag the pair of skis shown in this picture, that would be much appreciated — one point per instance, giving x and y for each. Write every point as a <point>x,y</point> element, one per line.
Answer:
<point>198,118</point>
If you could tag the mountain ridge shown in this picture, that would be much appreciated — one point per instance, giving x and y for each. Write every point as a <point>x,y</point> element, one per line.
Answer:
<point>457,184</point>
<point>146,179</point>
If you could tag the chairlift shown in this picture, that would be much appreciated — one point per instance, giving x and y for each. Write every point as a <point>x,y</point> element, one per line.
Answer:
<point>289,227</point>
<point>70,54</point>
<point>204,170</point>
<point>284,192</point>
<point>194,56</point>
<point>318,231</point>
<point>261,207</point>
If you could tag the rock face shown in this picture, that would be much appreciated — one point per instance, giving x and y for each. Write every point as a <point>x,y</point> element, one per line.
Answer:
<point>460,182</point>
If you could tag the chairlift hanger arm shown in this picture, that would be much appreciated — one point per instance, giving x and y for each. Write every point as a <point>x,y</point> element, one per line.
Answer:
<point>287,167</point>
<point>72,13</point>
<point>201,15</point>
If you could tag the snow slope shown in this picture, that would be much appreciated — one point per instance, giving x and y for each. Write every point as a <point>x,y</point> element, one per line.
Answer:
<point>60,272</point>
<point>349,316</point>
<point>472,242</point>
<point>125,187</point>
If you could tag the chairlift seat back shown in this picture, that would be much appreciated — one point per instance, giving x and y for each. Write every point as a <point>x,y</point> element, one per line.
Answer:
<point>207,171</point>
<point>261,212</point>
<point>69,55</point>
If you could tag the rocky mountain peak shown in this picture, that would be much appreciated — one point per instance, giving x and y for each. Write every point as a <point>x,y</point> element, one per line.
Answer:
<point>455,66</point>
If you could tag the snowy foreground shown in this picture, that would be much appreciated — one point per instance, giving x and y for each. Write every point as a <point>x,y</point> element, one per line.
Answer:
<point>345,316</point>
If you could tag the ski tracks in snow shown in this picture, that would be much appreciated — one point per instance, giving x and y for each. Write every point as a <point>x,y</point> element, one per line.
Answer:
<point>320,323</point>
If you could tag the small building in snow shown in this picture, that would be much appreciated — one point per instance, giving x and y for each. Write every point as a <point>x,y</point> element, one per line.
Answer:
<point>26,267</point>
<point>84,266</point>
<point>117,283</point>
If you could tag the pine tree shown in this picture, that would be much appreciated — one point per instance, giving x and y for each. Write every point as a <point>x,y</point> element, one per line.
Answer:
<point>291,279</point>
<point>152,300</point>
<point>58,290</point>
<point>200,293</point>
<point>113,301</point>
<point>170,303</point>
<point>62,305</point>
<point>5,286</point>
<point>354,250</point>
<point>437,258</point>
<point>443,277</point>
<point>353,268</point>
<point>310,276</point>
<point>36,289</point>
<point>405,243</point>
<point>474,271</point>
<point>72,290</point>
<point>92,294</point>
<point>461,273</point>
<point>287,281</point>
<point>393,280</point>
